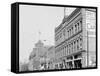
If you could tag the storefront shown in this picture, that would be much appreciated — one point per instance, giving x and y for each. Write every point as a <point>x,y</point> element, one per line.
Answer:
<point>73,61</point>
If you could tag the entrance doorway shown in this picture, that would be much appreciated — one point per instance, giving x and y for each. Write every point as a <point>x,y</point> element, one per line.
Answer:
<point>69,65</point>
<point>77,64</point>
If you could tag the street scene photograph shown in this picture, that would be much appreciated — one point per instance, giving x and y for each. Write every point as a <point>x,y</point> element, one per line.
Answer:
<point>52,38</point>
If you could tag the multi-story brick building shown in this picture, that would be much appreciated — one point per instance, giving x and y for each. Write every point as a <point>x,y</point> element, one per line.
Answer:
<point>75,40</point>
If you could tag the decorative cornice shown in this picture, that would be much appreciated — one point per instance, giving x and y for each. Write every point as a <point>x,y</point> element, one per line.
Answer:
<point>66,19</point>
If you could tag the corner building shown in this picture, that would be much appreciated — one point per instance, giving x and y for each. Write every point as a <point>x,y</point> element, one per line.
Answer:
<point>37,58</point>
<point>75,40</point>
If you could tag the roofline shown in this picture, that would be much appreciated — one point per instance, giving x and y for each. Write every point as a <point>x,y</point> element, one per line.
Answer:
<point>68,18</point>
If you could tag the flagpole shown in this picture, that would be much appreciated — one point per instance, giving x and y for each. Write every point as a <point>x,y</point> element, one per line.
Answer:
<point>39,34</point>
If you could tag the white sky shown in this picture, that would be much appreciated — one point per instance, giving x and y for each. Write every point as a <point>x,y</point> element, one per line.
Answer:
<point>34,19</point>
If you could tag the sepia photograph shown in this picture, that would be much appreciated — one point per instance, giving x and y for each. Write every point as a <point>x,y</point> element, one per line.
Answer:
<point>56,38</point>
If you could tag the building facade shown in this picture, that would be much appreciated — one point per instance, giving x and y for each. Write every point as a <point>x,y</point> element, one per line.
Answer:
<point>75,40</point>
<point>38,57</point>
<point>51,57</point>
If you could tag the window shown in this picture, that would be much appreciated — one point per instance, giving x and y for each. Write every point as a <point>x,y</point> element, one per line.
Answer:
<point>78,26</point>
<point>64,32</point>
<point>69,48</point>
<point>75,28</point>
<point>77,45</point>
<point>56,38</point>
<point>68,33</point>
<point>63,51</point>
<point>80,43</point>
<point>74,45</point>
<point>60,35</point>
<point>72,31</point>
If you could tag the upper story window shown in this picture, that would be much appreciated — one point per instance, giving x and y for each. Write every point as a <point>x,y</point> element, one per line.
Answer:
<point>75,28</point>
<point>64,32</point>
<point>69,49</point>
<point>80,42</point>
<point>56,38</point>
<point>72,30</point>
<point>77,44</point>
<point>78,26</point>
<point>60,35</point>
<point>74,45</point>
<point>68,33</point>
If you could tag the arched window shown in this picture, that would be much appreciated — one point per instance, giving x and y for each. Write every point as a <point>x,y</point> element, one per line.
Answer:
<point>74,46</point>
<point>64,32</point>
<point>65,51</point>
<point>69,48</point>
<point>75,28</point>
<point>68,33</point>
<point>80,24</point>
<point>60,52</point>
<point>80,43</point>
<point>77,45</point>
<point>72,31</point>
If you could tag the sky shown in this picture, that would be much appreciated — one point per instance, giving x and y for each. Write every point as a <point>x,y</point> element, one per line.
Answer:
<point>35,19</point>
